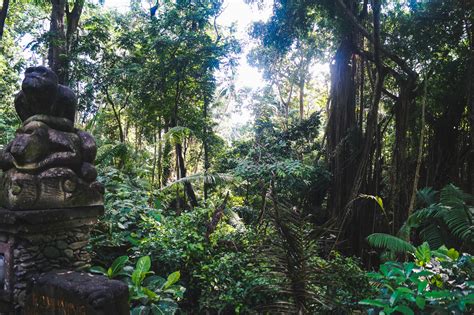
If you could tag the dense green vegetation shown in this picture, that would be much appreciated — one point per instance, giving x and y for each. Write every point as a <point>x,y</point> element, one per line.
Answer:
<point>346,192</point>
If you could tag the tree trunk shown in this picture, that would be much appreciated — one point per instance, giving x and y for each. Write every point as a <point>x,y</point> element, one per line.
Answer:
<point>62,35</point>
<point>3,16</point>
<point>341,126</point>
<point>399,183</point>
<point>182,172</point>
<point>301,86</point>
<point>420,153</point>
<point>57,52</point>
<point>470,102</point>
<point>73,18</point>
<point>206,149</point>
<point>166,168</point>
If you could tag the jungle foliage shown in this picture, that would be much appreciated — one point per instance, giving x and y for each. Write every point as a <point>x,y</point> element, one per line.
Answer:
<point>347,191</point>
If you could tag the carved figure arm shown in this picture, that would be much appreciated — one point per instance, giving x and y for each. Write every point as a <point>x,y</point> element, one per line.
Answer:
<point>6,159</point>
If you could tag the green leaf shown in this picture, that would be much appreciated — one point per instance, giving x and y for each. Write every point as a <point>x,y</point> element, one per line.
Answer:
<point>371,302</point>
<point>394,298</point>
<point>422,286</point>
<point>390,242</point>
<point>404,290</point>
<point>99,270</point>
<point>405,310</point>
<point>156,310</point>
<point>453,254</point>
<point>141,269</point>
<point>172,279</point>
<point>423,254</point>
<point>139,310</point>
<point>150,294</point>
<point>438,294</point>
<point>420,302</point>
<point>117,266</point>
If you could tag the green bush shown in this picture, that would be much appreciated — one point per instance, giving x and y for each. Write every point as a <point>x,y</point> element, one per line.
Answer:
<point>438,281</point>
<point>148,293</point>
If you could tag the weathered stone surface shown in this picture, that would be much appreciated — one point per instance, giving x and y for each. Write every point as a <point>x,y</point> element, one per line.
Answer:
<point>48,164</point>
<point>78,245</point>
<point>51,252</point>
<point>39,238</point>
<point>69,253</point>
<point>47,172</point>
<point>76,293</point>
<point>41,94</point>
<point>61,244</point>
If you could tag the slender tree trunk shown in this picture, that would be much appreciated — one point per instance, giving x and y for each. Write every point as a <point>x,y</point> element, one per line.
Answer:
<point>166,171</point>
<point>420,152</point>
<point>154,164</point>
<point>182,171</point>
<point>180,162</point>
<point>470,101</point>
<point>399,183</point>
<point>301,86</point>
<point>206,148</point>
<point>160,156</point>
<point>116,115</point>
<point>3,16</point>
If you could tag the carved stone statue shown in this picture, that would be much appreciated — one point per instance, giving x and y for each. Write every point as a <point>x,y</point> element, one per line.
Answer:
<point>49,164</point>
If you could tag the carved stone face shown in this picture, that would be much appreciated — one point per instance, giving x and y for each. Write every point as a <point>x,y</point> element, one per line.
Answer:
<point>40,86</point>
<point>31,143</point>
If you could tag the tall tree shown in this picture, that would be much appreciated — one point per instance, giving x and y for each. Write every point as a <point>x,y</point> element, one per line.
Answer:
<point>63,25</point>
<point>3,16</point>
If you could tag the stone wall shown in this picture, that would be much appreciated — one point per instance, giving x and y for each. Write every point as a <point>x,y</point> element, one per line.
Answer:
<point>39,241</point>
<point>34,254</point>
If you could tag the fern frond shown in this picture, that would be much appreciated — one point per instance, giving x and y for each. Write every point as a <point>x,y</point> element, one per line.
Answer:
<point>390,242</point>
<point>107,152</point>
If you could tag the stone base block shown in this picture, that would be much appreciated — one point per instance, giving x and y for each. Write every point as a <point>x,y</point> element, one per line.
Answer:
<point>35,242</point>
<point>67,292</point>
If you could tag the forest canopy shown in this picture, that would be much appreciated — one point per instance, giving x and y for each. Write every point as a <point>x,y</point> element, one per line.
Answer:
<point>337,177</point>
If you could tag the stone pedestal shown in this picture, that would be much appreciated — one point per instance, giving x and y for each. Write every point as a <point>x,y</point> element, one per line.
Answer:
<point>34,242</point>
<point>76,293</point>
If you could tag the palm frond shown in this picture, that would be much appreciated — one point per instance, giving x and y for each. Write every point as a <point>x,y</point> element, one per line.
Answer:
<point>390,242</point>
<point>420,216</point>
<point>453,196</point>
<point>459,223</point>
<point>288,253</point>
<point>432,234</point>
<point>426,196</point>
<point>107,152</point>
<point>456,214</point>
<point>209,178</point>
<point>176,135</point>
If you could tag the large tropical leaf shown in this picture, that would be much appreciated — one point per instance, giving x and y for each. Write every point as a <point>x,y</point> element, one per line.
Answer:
<point>426,196</point>
<point>390,242</point>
